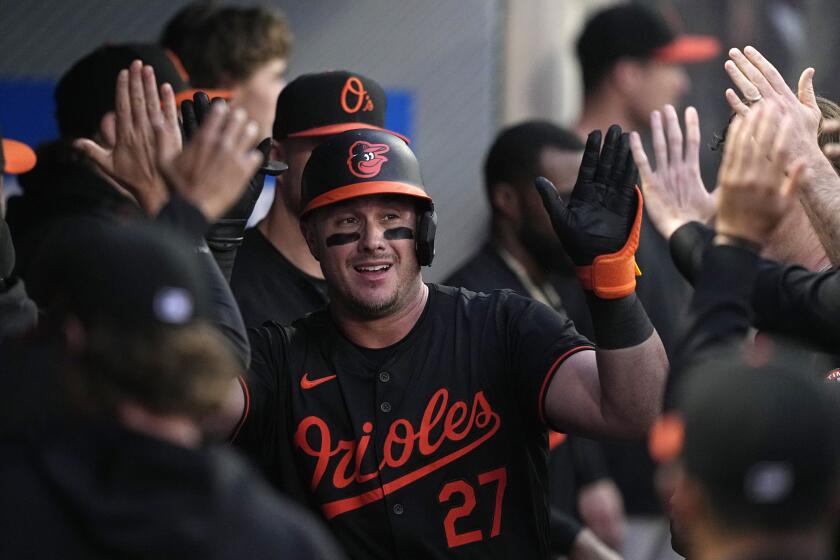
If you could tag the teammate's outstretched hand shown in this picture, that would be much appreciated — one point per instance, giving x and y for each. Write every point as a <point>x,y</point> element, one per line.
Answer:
<point>674,191</point>
<point>214,169</point>
<point>603,204</point>
<point>759,82</point>
<point>193,113</point>
<point>144,132</point>
<point>756,187</point>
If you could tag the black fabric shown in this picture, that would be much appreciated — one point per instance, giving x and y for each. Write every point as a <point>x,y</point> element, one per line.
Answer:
<point>99,491</point>
<point>797,311</point>
<point>129,276</point>
<point>665,296</point>
<point>328,98</point>
<point>487,271</point>
<point>619,323</point>
<point>60,186</point>
<point>480,361</point>
<point>564,531</point>
<point>628,30</point>
<point>85,92</point>
<point>577,461</point>
<point>18,312</point>
<point>268,287</point>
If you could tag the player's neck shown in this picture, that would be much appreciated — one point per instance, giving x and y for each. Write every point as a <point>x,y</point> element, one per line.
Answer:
<point>383,331</point>
<point>602,109</point>
<point>506,239</point>
<point>282,228</point>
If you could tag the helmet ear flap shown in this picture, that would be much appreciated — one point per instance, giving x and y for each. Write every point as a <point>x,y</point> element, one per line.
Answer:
<point>425,242</point>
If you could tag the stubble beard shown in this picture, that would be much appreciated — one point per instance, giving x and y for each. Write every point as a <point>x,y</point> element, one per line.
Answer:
<point>367,309</point>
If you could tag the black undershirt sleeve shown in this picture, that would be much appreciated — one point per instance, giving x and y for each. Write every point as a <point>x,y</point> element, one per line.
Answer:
<point>720,312</point>
<point>787,300</point>
<point>805,305</point>
<point>185,218</point>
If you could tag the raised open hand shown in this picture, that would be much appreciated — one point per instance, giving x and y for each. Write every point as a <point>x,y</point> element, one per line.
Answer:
<point>759,81</point>
<point>756,187</point>
<point>145,132</point>
<point>215,167</point>
<point>674,191</point>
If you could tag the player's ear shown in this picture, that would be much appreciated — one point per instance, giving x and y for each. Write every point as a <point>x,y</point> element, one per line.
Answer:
<point>307,228</point>
<point>504,199</point>
<point>627,75</point>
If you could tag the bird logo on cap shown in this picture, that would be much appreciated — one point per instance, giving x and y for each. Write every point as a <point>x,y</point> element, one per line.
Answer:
<point>366,159</point>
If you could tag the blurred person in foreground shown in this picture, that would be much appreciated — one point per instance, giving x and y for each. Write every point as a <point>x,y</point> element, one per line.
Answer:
<point>19,313</point>
<point>755,461</point>
<point>632,62</point>
<point>117,466</point>
<point>65,182</point>
<point>524,254</point>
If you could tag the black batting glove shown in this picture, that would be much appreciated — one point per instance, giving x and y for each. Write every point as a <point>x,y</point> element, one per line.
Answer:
<point>603,205</point>
<point>226,235</point>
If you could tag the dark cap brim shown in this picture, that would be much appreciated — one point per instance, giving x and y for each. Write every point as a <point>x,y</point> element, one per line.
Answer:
<point>688,48</point>
<point>19,157</point>
<point>338,128</point>
<point>368,188</point>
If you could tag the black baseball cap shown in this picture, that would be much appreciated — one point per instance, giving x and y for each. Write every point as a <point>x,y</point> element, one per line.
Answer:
<point>126,276</point>
<point>327,103</point>
<point>85,93</point>
<point>761,440</point>
<point>358,163</point>
<point>633,30</point>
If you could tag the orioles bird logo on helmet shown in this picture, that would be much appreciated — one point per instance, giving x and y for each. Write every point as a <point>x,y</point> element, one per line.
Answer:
<point>366,159</point>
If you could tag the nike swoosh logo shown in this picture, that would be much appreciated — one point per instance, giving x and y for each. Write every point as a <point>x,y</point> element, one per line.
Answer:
<point>306,383</point>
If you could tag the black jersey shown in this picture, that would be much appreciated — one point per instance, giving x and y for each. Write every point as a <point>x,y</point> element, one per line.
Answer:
<point>268,287</point>
<point>440,451</point>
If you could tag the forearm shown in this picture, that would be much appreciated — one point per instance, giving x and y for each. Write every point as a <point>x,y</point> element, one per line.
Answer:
<point>632,384</point>
<point>719,315</point>
<point>688,244</point>
<point>632,363</point>
<point>185,218</point>
<point>791,300</point>
<point>820,196</point>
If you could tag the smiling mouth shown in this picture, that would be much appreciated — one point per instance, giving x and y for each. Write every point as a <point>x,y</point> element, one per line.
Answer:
<point>372,268</point>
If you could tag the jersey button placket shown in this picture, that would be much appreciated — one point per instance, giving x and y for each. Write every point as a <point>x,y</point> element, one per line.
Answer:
<point>384,376</point>
<point>385,407</point>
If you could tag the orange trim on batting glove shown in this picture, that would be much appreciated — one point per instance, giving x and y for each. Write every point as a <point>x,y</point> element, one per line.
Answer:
<point>613,276</point>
